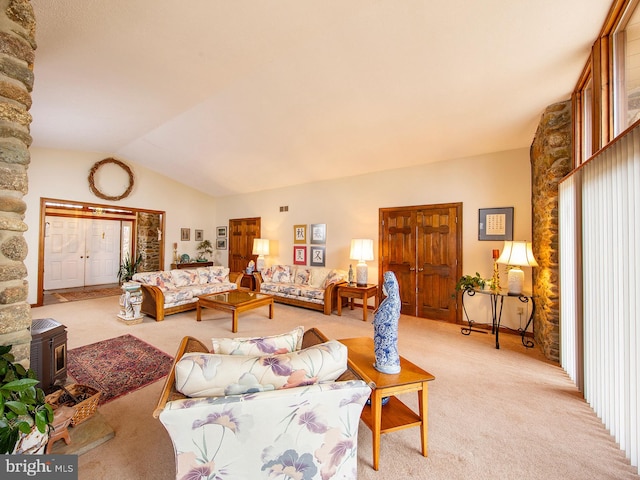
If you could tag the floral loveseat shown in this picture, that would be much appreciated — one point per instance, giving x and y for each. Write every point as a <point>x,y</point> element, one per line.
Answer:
<point>173,291</point>
<point>296,417</point>
<point>309,287</point>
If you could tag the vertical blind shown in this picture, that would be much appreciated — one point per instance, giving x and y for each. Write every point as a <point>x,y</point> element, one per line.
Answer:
<point>602,303</point>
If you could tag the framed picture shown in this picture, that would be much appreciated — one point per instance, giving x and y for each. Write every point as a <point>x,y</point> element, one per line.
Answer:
<point>299,255</point>
<point>185,234</point>
<point>299,234</point>
<point>221,232</point>
<point>495,223</point>
<point>221,244</point>
<point>316,256</point>
<point>319,233</point>
<point>198,235</point>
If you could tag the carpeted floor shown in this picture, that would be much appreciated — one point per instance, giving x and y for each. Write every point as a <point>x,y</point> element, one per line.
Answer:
<point>86,294</point>
<point>117,366</point>
<point>493,414</point>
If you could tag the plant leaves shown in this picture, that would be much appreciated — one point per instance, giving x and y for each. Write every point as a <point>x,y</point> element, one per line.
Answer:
<point>20,385</point>
<point>18,408</point>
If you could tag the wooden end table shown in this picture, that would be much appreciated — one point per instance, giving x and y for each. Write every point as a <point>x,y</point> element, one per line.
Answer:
<point>353,291</point>
<point>395,415</point>
<point>234,301</point>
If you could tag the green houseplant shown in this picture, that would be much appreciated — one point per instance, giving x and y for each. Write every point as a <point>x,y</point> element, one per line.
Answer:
<point>204,250</point>
<point>467,281</point>
<point>22,404</point>
<point>128,268</point>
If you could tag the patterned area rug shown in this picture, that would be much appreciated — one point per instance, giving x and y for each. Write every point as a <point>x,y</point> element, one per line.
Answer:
<point>87,294</point>
<point>117,366</point>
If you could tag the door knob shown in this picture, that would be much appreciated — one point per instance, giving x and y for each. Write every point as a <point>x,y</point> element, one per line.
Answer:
<point>420,269</point>
<point>412,269</point>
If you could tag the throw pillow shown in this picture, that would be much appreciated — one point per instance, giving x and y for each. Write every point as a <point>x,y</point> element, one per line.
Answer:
<point>274,344</point>
<point>277,274</point>
<point>302,276</point>
<point>215,375</point>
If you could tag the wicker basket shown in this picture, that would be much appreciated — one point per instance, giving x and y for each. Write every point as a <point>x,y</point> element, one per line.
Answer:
<point>85,409</point>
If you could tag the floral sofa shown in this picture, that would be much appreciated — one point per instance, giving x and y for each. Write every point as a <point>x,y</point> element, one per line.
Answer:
<point>295,414</point>
<point>302,286</point>
<point>172,291</point>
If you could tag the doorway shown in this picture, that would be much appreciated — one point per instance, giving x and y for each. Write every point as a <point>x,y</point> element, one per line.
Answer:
<point>80,252</point>
<point>242,231</point>
<point>422,245</point>
<point>83,244</point>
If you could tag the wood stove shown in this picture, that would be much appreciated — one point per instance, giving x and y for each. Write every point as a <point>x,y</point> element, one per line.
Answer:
<point>49,353</point>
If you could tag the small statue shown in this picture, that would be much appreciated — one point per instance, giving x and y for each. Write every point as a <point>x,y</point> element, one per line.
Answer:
<point>385,325</point>
<point>350,275</point>
<point>251,267</point>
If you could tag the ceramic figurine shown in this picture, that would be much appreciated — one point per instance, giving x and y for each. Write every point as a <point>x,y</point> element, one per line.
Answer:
<point>385,326</point>
<point>350,276</point>
<point>251,267</point>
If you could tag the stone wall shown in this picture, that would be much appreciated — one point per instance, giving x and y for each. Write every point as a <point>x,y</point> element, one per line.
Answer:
<point>17,53</point>
<point>551,160</point>
<point>148,242</point>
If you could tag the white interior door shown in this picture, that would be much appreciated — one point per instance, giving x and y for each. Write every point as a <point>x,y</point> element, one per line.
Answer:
<point>102,252</point>
<point>80,252</point>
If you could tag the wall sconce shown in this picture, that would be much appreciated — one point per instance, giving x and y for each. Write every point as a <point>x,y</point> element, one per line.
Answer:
<point>361,250</point>
<point>260,248</point>
<point>514,255</point>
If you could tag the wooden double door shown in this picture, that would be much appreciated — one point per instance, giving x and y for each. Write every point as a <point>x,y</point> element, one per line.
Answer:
<point>242,231</point>
<point>422,245</point>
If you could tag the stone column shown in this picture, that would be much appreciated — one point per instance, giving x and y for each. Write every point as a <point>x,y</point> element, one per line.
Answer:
<point>17,53</point>
<point>551,160</point>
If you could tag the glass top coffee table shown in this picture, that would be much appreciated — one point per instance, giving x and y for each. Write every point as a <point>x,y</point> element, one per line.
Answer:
<point>234,301</point>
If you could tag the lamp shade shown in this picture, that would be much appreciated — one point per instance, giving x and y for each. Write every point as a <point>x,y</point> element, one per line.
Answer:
<point>517,254</point>
<point>260,246</point>
<point>361,249</point>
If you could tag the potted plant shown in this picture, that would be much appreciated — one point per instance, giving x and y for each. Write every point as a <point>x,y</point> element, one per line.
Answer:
<point>204,250</point>
<point>128,268</point>
<point>467,282</point>
<point>23,408</point>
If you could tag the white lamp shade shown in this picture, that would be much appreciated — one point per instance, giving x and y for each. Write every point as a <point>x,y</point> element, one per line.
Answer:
<point>361,249</point>
<point>260,246</point>
<point>517,254</point>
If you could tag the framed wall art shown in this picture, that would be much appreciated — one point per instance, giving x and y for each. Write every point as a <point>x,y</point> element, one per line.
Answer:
<point>316,256</point>
<point>299,255</point>
<point>318,233</point>
<point>221,232</point>
<point>495,223</point>
<point>299,234</point>
<point>185,234</point>
<point>221,243</point>
<point>198,235</point>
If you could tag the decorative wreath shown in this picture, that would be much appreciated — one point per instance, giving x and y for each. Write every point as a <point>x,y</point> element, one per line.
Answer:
<point>95,189</point>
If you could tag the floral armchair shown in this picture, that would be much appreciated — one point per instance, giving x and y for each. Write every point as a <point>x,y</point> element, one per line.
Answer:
<point>293,430</point>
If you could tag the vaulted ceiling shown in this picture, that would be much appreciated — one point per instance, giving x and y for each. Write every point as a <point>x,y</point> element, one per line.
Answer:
<point>242,95</point>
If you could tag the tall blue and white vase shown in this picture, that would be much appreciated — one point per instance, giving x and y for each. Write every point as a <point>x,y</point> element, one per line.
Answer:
<point>385,327</point>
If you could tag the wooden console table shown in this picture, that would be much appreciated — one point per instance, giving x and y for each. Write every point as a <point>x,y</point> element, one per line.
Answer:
<point>394,415</point>
<point>175,266</point>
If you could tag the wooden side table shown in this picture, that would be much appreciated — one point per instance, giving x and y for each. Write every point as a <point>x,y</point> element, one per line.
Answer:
<point>353,291</point>
<point>395,415</point>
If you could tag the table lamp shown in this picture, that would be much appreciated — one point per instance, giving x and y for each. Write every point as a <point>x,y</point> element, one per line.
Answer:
<point>260,248</point>
<point>361,250</point>
<point>514,255</point>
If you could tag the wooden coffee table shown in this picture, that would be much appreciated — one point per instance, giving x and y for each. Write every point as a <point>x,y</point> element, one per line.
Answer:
<point>234,301</point>
<point>395,415</point>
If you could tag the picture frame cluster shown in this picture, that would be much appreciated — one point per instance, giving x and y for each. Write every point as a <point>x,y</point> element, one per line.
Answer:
<point>316,238</point>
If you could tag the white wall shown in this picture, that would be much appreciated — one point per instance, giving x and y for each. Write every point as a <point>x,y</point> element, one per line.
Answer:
<point>349,207</point>
<point>64,175</point>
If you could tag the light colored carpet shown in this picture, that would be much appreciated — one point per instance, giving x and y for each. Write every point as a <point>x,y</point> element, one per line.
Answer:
<point>494,414</point>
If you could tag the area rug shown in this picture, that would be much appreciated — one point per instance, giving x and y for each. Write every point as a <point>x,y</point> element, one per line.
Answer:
<point>117,366</point>
<point>87,294</point>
